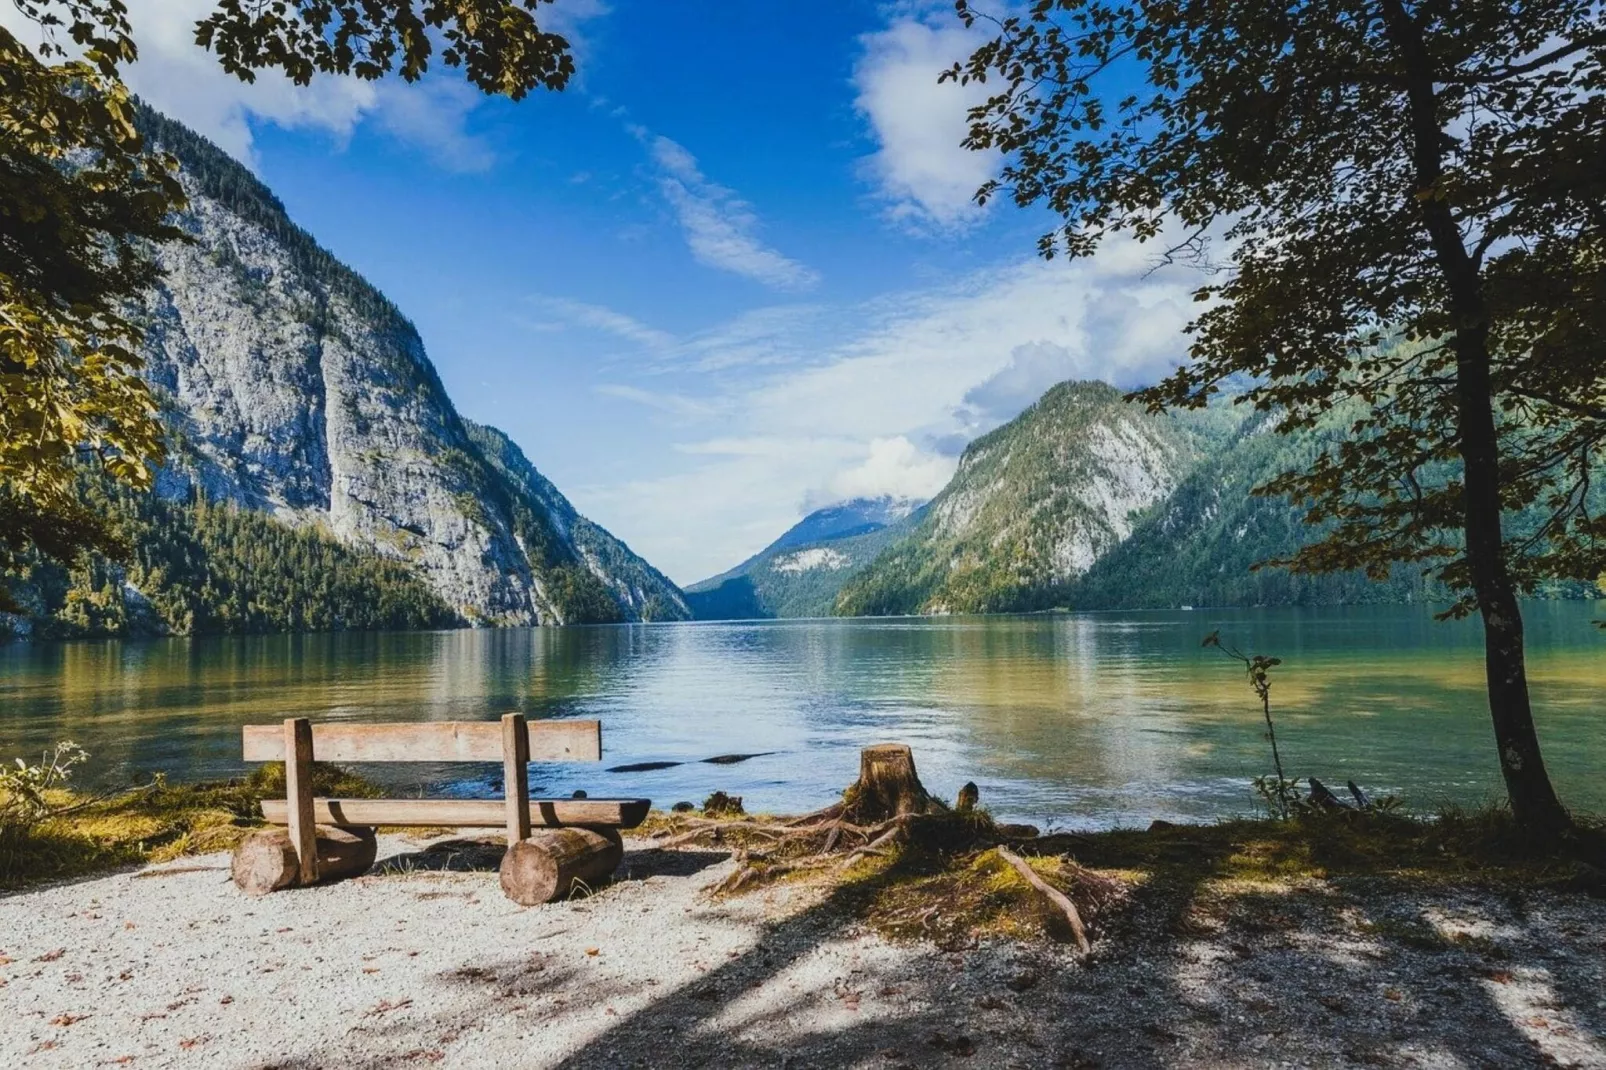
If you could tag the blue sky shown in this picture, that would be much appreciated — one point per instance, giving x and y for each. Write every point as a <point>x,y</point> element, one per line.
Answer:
<point>731,274</point>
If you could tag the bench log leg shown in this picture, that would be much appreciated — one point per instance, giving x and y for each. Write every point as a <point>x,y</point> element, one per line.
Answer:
<point>267,860</point>
<point>549,864</point>
<point>516,776</point>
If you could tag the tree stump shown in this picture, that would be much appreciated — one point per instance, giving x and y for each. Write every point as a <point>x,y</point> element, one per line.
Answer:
<point>887,787</point>
<point>551,863</point>
<point>266,861</point>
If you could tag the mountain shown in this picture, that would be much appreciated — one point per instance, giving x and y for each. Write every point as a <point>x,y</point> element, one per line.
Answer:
<point>1084,501</point>
<point>800,573</point>
<point>1035,504</point>
<point>1198,546</point>
<point>297,392</point>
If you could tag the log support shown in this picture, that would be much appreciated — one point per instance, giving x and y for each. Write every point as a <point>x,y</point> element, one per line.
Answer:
<point>551,864</point>
<point>267,860</point>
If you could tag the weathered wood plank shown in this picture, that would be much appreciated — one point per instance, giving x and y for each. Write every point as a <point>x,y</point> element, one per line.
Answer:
<point>466,813</point>
<point>296,736</point>
<point>430,741</point>
<point>516,776</point>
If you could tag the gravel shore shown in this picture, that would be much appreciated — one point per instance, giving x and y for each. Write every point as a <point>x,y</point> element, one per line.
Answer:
<point>427,964</point>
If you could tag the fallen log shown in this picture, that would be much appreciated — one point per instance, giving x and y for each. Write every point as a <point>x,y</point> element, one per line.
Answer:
<point>1057,898</point>
<point>552,863</point>
<point>266,860</point>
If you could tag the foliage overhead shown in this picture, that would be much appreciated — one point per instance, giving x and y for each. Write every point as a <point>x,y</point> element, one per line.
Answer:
<point>78,201</point>
<point>497,43</point>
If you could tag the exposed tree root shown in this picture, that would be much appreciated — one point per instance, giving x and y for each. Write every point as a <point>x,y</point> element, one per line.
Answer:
<point>929,870</point>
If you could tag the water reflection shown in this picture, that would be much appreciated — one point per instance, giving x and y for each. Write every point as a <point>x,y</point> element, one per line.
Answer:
<point>1075,720</point>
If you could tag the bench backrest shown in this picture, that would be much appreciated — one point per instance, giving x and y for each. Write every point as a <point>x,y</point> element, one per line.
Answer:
<point>298,742</point>
<point>430,741</point>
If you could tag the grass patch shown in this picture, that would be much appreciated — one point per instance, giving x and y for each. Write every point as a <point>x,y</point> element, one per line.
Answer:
<point>156,823</point>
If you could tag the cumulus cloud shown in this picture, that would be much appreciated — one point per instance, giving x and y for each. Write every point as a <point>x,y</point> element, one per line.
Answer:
<point>920,167</point>
<point>893,467</point>
<point>720,228</point>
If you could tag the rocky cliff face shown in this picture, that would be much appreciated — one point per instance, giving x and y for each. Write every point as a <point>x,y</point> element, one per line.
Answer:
<point>295,388</point>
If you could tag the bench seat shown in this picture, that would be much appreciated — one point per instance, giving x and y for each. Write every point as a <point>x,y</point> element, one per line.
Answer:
<point>463,813</point>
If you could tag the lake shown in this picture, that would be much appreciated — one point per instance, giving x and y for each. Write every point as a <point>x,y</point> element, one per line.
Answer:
<point>1067,721</point>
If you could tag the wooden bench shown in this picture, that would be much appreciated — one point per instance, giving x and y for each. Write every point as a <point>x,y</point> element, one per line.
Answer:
<point>553,844</point>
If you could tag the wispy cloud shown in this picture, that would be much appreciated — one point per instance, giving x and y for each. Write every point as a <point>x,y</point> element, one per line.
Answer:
<point>606,320</point>
<point>433,115</point>
<point>678,405</point>
<point>720,228</point>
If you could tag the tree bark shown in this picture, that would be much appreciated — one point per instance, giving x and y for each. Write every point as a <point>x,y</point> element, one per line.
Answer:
<point>551,863</point>
<point>266,860</point>
<point>1533,800</point>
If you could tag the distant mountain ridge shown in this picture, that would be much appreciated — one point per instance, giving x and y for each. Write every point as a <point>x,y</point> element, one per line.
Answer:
<point>800,573</point>
<point>295,390</point>
<point>858,516</point>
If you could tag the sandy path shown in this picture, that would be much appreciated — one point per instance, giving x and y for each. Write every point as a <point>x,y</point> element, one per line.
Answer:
<point>173,967</point>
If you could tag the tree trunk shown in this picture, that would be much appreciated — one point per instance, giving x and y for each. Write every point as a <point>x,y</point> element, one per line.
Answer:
<point>551,863</point>
<point>1533,800</point>
<point>887,787</point>
<point>266,860</point>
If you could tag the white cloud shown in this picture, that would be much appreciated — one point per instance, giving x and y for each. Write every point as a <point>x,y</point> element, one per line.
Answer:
<point>720,228</point>
<point>432,115</point>
<point>921,168</point>
<point>893,467</point>
<point>889,390</point>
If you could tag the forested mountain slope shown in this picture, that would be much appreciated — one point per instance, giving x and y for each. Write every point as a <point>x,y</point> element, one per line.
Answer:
<point>1034,504</point>
<point>296,391</point>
